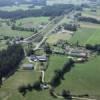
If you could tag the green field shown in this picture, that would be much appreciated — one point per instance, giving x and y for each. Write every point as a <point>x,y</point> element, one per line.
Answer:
<point>7,31</point>
<point>54,38</point>
<point>33,20</point>
<point>9,89</point>
<point>83,78</point>
<point>56,62</point>
<point>86,36</point>
<point>87,12</point>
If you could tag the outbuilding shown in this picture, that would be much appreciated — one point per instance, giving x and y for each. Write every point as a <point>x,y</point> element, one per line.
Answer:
<point>28,67</point>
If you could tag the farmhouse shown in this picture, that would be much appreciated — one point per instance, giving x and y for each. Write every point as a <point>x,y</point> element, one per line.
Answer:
<point>42,58</point>
<point>80,60</point>
<point>58,51</point>
<point>76,52</point>
<point>28,67</point>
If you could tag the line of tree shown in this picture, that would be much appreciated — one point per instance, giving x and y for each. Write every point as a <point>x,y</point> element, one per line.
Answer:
<point>71,27</point>
<point>14,27</point>
<point>10,59</point>
<point>59,74</point>
<point>89,19</point>
<point>95,48</point>
<point>55,10</point>
<point>67,94</point>
<point>25,88</point>
<point>47,49</point>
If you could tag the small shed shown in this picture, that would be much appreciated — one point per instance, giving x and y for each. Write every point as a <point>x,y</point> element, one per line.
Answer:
<point>28,67</point>
<point>42,58</point>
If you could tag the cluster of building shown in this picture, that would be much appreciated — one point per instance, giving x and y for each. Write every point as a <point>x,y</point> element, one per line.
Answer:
<point>77,52</point>
<point>34,58</point>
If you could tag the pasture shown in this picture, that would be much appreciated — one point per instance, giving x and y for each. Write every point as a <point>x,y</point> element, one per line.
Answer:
<point>54,38</point>
<point>86,36</point>
<point>83,78</point>
<point>87,12</point>
<point>55,62</point>
<point>9,90</point>
<point>6,30</point>
<point>33,20</point>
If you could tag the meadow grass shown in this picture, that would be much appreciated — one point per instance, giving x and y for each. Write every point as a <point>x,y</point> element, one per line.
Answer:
<point>33,20</point>
<point>83,78</point>
<point>54,38</point>
<point>86,36</point>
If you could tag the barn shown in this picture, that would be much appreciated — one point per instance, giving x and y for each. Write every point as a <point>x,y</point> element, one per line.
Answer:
<point>28,67</point>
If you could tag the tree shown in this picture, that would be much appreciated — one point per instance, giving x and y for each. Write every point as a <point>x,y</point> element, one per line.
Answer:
<point>56,80</point>
<point>47,49</point>
<point>71,27</point>
<point>22,90</point>
<point>52,93</point>
<point>10,59</point>
<point>29,87</point>
<point>66,95</point>
<point>0,80</point>
<point>77,43</point>
<point>50,11</point>
<point>67,66</point>
<point>29,52</point>
<point>37,85</point>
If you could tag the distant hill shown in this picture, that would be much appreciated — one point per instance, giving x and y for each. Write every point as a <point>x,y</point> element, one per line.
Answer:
<point>51,2</point>
<point>14,2</point>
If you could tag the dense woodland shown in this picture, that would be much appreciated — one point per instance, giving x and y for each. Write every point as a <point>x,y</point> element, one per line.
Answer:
<point>55,10</point>
<point>14,27</point>
<point>13,2</point>
<point>95,48</point>
<point>89,19</point>
<point>71,27</point>
<point>10,59</point>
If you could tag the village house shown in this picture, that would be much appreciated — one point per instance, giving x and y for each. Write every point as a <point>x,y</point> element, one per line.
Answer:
<point>42,58</point>
<point>77,52</point>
